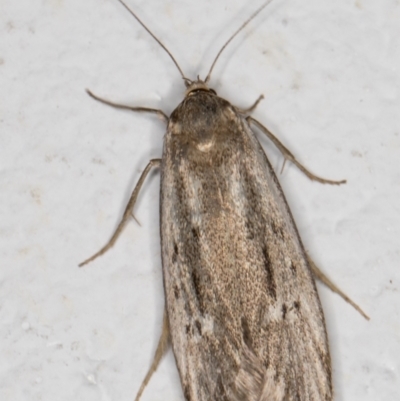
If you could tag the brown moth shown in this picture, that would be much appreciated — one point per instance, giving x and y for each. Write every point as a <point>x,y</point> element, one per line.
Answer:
<point>242,311</point>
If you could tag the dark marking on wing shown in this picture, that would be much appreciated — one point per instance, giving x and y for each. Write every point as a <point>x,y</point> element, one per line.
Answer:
<point>186,392</point>
<point>254,221</point>
<point>270,275</point>
<point>197,286</point>
<point>194,260</point>
<point>195,232</point>
<point>198,326</point>
<point>284,311</point>
<point>175,253</point>
<point>246,333</point>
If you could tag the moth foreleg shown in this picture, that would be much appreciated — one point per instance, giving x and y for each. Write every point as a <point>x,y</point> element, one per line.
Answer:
<point>289,156</point>
<point>128,212</point>
<point>318,274</point>
<point>159,113</point>
<point>252,107</point>
<point>162,347</point>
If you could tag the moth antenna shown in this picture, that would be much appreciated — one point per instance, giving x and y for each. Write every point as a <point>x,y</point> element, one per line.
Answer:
<point>156,39</point>
<point>231,38</point>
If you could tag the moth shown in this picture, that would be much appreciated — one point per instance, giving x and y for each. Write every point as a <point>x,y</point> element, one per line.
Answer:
<point>242,312</point>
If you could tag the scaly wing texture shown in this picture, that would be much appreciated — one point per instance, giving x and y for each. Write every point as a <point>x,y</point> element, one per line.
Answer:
<point>245,318</point>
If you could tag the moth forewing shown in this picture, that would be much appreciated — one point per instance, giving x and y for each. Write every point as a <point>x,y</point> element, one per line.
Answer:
<point>239,292</point>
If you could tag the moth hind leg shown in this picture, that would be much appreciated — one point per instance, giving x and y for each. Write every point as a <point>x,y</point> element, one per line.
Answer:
<point>289,156</point>
<point>127,213</point>
<point>318,274</point>
<point>162,348</point>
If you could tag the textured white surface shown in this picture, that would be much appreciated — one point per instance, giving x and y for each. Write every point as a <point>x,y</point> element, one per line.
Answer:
<point>330,73</point>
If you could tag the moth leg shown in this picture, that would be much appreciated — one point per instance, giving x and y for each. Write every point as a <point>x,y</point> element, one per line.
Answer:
<point>159,113</point>
<point>162,348</point>
<point>325,280</point>
<point>289,156</point>
<point>251,108</point>
<point>127,213</point>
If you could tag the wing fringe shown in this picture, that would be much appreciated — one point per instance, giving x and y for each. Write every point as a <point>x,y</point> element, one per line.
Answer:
<point>255,382</point>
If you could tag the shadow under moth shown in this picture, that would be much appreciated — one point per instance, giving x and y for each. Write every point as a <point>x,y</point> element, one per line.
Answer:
<point>242,311</point>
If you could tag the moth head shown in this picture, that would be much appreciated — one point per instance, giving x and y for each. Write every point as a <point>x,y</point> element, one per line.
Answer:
<point>195,86</point>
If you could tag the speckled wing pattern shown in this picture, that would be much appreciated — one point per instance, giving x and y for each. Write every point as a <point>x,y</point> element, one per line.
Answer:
<point>244,315</point>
